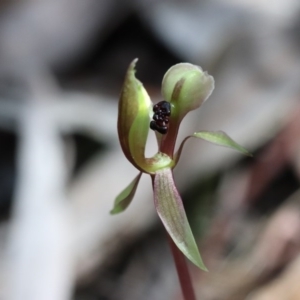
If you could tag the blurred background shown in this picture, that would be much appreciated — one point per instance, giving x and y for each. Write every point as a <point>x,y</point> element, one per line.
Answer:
<point>62,63</point>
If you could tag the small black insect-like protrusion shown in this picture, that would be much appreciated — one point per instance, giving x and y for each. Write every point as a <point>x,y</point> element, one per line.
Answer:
<point>162,112</point>
<point>160,129</point>
<point>162,108</point>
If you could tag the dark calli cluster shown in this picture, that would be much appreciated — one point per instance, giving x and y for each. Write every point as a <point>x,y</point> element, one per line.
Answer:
<point>162,112</point>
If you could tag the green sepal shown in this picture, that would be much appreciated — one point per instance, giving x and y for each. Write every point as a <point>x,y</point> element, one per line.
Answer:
<point>222,139</point>
<point>123,200</point>
<point>170,209</point>
<point>133,118</point>
<point>219,138</point>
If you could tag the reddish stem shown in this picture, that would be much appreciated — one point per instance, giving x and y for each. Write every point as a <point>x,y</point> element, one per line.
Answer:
<point>167,144</point>
<point>182,272</point>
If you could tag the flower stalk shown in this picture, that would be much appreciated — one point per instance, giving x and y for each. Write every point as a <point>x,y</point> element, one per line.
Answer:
<point>182,272</point>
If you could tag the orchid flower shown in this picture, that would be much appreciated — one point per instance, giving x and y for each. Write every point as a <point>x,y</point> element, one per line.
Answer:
<point>184,88</point>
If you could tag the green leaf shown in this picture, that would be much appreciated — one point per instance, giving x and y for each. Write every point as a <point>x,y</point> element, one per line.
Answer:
<point>123,200</point>
<point>222,139</point>
<point>170,209</point>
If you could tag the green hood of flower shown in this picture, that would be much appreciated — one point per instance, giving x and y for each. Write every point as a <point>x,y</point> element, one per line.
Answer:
<point>186,87</point>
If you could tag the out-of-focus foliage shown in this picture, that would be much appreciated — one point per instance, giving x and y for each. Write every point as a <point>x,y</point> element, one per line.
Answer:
<point>62,64</point>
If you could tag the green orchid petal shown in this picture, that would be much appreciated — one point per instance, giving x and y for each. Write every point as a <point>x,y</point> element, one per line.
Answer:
<point>170,209</point>
<point>133,120</point>
<point>219,138</point>
<point>186,87</point>
<point>123,200</point>
<point>222,139</point>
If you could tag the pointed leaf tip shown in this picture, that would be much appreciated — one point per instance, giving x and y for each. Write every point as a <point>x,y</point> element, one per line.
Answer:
<point>222,139</point>
<point>170,209</point>
<point>123,200</point>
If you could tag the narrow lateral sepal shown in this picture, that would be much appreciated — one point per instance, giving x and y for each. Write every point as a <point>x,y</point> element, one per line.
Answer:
<point>123,200</point>
<point>171,211</point>
<point>222,139</point>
